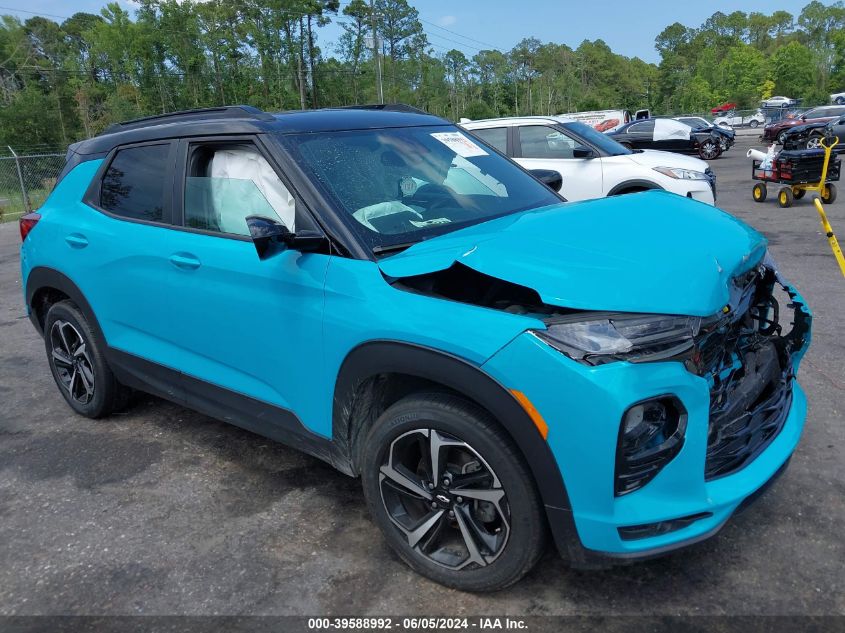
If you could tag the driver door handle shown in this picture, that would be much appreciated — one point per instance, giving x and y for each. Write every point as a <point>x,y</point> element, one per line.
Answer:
<point>185,261</point>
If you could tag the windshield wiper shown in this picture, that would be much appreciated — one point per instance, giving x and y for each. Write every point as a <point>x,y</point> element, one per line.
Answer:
<point>391,248</point>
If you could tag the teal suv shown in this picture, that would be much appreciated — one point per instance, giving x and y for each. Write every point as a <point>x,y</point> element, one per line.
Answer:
<point>388,293</point>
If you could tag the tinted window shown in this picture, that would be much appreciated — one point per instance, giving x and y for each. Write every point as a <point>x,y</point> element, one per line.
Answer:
<point>540,141</point>
<point>646,127</point>
<point>495,136</point>
<point>133,185</point>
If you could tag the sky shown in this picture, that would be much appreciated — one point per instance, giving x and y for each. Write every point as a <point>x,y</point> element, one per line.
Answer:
<point>628,27</point>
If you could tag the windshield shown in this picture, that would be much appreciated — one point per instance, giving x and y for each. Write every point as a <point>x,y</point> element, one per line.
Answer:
<point>402,185</point>
<point>606,144</point>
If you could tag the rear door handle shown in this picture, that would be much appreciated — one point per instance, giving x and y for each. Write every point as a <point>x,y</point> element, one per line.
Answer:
<point>185,261</point>
<point>76,240</point>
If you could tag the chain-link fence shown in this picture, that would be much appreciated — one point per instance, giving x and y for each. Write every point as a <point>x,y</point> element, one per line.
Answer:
<point>26,181</point>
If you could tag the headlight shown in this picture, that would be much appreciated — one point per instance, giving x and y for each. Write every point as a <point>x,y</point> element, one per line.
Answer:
<point>599,339</point>
<point>681,174</point>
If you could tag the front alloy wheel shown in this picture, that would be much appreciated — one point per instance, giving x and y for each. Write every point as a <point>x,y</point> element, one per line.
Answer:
<point>445,499</point>
<point>71,361</point>
<point>709,150</point>
<point>452,494</point>
<point>814,142</point>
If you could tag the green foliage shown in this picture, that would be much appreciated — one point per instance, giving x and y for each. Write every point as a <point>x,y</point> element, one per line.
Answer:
<point>746,57</point>
<point>791,67</point>
<point>64,81</point>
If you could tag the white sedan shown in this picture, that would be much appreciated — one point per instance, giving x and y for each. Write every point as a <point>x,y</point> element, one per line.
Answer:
<point>779,102</point>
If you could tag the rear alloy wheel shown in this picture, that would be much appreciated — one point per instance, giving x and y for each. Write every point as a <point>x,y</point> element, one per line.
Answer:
<point>709,150</point>
<point>71,361</point>
<point>77,363</point>
<point>753,123</point>
<point>451,495</point>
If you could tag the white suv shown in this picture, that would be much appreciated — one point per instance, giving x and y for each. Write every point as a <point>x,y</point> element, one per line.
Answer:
<point>592,164</point>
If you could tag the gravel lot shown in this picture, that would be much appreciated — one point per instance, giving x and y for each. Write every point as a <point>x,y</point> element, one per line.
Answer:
<point>164,511</point>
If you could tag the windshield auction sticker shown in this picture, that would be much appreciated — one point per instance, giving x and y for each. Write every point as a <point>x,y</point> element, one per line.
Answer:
<point>459,144</point>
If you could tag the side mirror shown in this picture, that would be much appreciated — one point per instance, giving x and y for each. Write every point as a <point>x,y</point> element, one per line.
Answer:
<point>271,237</point>
<point>549,177</point>
<point>582,152</point>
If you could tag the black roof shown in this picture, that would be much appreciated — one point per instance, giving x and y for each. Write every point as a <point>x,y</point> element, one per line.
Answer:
<point>249,120</point>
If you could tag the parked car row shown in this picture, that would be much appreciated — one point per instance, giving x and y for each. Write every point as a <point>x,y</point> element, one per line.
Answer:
<point>810,134</point>
<point>777,131</point>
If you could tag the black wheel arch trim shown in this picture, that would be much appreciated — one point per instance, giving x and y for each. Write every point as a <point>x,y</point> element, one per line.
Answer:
<point>633,184</point>
<point>41,278</point>
<point>373,358</point>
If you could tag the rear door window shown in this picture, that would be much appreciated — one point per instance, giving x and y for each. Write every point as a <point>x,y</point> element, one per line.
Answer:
<point>134,184</point>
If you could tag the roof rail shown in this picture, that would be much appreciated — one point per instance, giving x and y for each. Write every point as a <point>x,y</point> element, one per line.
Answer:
<point>224,112</point>
<point>387,107</point>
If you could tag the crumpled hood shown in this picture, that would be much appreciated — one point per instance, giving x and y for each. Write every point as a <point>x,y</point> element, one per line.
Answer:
<point>645,252</point>
<point>656,158</point>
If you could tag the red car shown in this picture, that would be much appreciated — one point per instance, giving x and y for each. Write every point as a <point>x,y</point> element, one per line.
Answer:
<point>725,107</point>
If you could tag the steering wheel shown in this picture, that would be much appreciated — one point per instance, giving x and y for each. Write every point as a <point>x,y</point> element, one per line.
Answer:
<point>433,197</point>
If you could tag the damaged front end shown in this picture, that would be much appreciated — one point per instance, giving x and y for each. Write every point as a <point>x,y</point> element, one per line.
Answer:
<point>749,355</point>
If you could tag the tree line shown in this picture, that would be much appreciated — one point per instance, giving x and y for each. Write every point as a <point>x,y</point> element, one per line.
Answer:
<point>66,78</point>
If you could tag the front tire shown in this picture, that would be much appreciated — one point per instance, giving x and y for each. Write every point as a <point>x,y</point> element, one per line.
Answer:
<point>754,123</point>
<point>77,363</point>
<point>828,194</point>
<point>709,150</point>
<point>814,142</point>
<point>451,494</point>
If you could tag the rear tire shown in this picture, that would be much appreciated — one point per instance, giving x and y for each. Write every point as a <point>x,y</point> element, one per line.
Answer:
<point>798,193</point>
<point>754,123</point>
<point>77,363</point>
<point>433,522</point>
<point>759,192</point>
